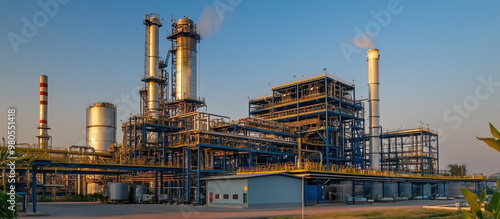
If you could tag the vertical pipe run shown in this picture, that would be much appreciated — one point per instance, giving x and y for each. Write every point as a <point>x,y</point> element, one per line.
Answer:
<point>373,84</point>
<point>44,98</point>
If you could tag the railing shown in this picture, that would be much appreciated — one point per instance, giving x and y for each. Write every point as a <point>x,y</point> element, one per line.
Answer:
<point>260,97</point>
<point>308,166</point>
<point>408,130</point>
<point>312,77</point>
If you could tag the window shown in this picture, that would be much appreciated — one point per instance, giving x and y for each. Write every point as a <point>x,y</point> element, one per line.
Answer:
<point>235,196</point>
<point>226,196</point>
<point>217,196</point>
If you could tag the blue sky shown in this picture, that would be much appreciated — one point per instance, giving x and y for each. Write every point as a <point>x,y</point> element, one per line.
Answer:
<point>435,57</point>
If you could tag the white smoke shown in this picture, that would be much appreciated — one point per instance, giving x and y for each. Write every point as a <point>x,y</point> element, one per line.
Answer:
<point>364,41</point>
<point>212,16</point>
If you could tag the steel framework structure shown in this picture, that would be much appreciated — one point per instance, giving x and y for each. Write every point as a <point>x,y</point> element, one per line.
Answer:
<point>325,107</point>
<point>410,150</point>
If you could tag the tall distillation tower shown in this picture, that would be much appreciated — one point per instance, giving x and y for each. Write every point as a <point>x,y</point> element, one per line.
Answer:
<point>154,76</point>
<point>185,38</point>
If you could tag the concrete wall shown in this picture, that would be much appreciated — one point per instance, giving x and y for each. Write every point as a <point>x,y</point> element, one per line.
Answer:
<point>274,191</point>
<point>229,187</point>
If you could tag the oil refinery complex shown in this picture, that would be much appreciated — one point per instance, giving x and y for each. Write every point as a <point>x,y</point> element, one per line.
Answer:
<point>309,140</point>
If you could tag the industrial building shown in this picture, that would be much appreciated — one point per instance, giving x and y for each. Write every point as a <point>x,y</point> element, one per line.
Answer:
<point>254,191</point>
<point>310,133</point>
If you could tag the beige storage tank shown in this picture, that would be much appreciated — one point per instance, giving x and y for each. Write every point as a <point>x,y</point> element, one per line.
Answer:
<point>101,126</point>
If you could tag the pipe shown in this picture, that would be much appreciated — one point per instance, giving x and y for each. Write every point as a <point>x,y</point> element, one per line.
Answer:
<point>154,24</point>
<point>374,117</point>
<point>43,136</point>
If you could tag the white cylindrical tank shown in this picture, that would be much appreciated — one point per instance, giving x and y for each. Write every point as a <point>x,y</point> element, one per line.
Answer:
<point>101,126</point>
<point>118,191</point>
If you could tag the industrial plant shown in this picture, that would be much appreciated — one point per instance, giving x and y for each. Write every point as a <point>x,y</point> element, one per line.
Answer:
<point>310,140</point>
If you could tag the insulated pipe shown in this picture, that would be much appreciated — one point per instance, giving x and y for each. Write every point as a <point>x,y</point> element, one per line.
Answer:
<point>153,67</point>
<point>44,98</point>
<point>373,84</point>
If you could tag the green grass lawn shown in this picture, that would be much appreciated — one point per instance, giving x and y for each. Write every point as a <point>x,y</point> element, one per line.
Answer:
<point>390,214</point>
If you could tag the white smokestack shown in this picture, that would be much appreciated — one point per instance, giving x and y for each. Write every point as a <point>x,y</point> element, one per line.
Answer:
<point>373,84</point>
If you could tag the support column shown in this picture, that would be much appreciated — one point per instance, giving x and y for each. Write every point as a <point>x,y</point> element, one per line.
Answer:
<point>161,183</point>
<point>34,189</point>
<point>156,187</point>
<point>44,181</point>
<point>383,189</point>
<point>198,196</point>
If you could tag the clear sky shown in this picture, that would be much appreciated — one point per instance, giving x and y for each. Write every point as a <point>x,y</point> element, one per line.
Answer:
<point>438,65</point>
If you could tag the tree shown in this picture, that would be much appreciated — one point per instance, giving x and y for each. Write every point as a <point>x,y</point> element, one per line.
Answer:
<point>457,169</point>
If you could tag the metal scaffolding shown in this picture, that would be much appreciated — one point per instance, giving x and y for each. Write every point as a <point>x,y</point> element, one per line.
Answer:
<point>325,108</point>
<point>411,151</point>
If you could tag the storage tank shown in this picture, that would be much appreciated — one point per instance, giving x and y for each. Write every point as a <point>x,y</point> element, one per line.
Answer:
<point>101,126</point>
<point>93,188</point>
<point>118,191</point>
<point>140,190</point>
<point>390,189</point>
<point>405,190</point>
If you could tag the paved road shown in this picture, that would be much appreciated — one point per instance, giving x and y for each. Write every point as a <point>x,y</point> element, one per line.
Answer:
<point>152,211</point>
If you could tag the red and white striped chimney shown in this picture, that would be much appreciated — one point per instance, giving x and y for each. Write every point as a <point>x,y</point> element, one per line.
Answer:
<point>43,137</point>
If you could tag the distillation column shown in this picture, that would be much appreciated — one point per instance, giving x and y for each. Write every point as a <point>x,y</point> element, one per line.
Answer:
<point>43,136</point>
<point>187,37</point>
<point>153,70</point>
<point>373,84</point>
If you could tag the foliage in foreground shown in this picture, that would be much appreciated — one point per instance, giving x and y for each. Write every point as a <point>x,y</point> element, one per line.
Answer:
<point>5,212</point>
<point>475,202</point>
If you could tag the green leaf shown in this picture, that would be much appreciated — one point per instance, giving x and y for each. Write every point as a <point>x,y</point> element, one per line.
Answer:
<point>494,203</point>
<point>468,215</point>
<point>479,214</point>
<point>495,144</point>
<point>471,198</point>
<point>494,131</point>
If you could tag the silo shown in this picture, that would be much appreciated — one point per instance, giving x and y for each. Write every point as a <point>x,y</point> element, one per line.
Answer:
<point>118,191</point>
<point>101,126</point>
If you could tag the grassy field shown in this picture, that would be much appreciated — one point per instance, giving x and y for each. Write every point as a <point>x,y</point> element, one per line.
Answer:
<point>390,214</point>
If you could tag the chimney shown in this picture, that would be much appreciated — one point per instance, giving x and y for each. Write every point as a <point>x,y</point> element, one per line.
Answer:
<point>43,137</point>
<point>373,84</point>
